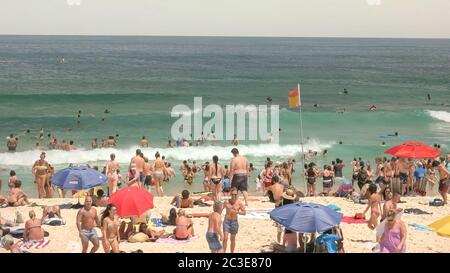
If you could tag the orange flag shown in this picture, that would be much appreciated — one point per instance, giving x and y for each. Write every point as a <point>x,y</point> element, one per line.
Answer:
<point>294,98</point>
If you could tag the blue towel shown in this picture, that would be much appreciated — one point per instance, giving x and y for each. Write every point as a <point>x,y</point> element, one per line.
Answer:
<point>333,207</point>
<point>420,227</point>
<point>157,222</point>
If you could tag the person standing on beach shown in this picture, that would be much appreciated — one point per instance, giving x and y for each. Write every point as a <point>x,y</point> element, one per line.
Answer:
<point>230,225</point>
<point>444,176</point>
<point>239,173</point>
<point>393,239</point>
<point>139,161</point>
<point>11,143</point>
<point>110,229</point>
<point>235,141</point>
<point>87,220</point>
<point>374,205</point>
<point>215,176</point>
<point>214,233</point>
<point>144,142</point>
<point>39,170</point>
<point>111,172</point>
<point>159,172</point>
<point>94,144</point>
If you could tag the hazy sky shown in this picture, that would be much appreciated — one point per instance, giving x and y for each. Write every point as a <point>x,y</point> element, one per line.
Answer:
<point>311,18</point>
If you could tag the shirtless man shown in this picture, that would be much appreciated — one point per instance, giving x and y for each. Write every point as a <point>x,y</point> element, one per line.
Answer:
<point>214,233</point>
<point>11,143</point>
<point>444,176</point>
<point>33,230</point>
<point>111,172</point>
<point>230,225</point>
<point>239,173</point>
<point>402,170</point>
<point>87,220</point>
<point>39,170</point>
<point>184,226</point>
<point>235,141</point>
<point>277,190</point>
<point>391,204</point>
<point>159,171</point>
<point>144,142</point>
<point>140,162</point>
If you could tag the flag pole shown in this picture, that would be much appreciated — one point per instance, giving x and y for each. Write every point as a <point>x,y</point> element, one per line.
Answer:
<point>301,138</point>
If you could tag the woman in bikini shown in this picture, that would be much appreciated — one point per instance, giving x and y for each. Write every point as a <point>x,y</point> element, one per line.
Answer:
<point>267,177</point>
<point>110,229</point>
<point>216,173</point>
<point>111,172</point>
<point>159,172</point>
<point>374,205</point>
<point>39,170</point>
<point>184,226</point>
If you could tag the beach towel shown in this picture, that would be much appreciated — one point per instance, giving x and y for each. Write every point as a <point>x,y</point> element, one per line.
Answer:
<point>53,221</point>
<point>33,244</point>
<point>334,207</point>
<point>66,206</point>
<point>256,215</point>
<point>157,222</point>
<point>352,220</point>
<point>16,232</point>
<point>416,211</point>
<point>171,240</point>
<point>420,227</point>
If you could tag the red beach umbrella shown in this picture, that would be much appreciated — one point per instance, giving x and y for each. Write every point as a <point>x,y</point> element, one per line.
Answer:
<point>131,201</point>
<point>413,150</point>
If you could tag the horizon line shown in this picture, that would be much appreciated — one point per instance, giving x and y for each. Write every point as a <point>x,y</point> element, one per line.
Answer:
<point>229,36</point>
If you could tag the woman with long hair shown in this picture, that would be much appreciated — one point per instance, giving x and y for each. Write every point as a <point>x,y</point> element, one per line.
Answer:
<point>216,173</point>
<point>110,229</point>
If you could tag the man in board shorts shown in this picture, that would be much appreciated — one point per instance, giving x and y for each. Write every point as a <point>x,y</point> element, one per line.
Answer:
<point>239,173</point>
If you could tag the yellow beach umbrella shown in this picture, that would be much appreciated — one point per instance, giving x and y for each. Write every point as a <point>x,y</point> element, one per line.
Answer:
<point>442,226</point>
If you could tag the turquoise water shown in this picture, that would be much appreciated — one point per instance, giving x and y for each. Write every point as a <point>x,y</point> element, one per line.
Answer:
<point>140,79</point>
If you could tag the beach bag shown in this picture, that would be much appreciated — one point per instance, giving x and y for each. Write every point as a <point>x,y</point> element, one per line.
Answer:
<point>359,216</point>
<point>437,202</point>
<point>139,237</point>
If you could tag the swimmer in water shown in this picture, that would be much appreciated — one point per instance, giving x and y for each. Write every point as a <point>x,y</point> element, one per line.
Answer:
<point>269,99</point>
<point>316,105</point>
<point>345,91</point>
<point>383,144</point>
<point>373,108</point>
<point>106,111</point>
<point>429,97</point>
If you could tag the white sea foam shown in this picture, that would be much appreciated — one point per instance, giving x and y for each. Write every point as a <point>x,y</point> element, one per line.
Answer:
<point>27,158</point>
<point>441,115</point>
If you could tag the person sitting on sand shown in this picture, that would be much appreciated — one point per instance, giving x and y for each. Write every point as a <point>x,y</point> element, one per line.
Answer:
<point>374,205</point>
<point>100,200</point>
<point>33,229</point>
<point>275,191</point>
<point>144,233</point>
<point>393,239</point>
<point>184,201</point>
<point>171,219</point>
<point>110,229</point>
<point>184,226</point>
<point>329,240</point>
<point>9,245</point>
<point>17,197</point>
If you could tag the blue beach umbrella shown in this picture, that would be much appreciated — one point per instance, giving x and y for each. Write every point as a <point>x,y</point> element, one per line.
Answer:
<point>78,178</point>
<point>306,217</point>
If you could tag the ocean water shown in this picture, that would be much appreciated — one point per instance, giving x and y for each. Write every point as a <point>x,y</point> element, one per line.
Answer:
<point>140,79</point>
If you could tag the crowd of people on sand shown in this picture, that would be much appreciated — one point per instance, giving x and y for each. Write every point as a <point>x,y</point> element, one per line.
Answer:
<point>380,187</point>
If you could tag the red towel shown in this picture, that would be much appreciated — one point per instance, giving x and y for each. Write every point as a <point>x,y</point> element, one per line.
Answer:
<point>351,220</point>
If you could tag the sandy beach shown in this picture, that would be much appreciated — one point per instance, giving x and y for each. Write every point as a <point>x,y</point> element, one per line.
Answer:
<point>255,235</point>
